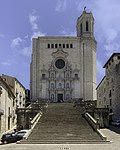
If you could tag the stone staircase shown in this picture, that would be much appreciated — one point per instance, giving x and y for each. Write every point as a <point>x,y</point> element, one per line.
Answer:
<point>61,123</point>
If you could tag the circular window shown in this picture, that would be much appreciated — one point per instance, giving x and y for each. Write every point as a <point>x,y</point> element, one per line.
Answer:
<point>60,63</point>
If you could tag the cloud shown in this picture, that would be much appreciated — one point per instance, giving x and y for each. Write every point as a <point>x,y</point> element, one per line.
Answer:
<point>9,62</point>
<point>33,19</point>
<point>26,51</point>
<point>81,4</point>
<point>21,42</point>
<point>6,63</point>
<point>100,71</point>
<point>100,68</point>
<point>37,34</point>
<point>109,19</point>
<point>26,37</point>
<point>111,47</point>
<point>67,32</point>
<point>2,35</point>
<point>16,42</point>
<point>112,44</point>
<point>61,5</point>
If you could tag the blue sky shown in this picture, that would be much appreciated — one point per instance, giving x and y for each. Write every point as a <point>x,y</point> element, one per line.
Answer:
<point>21,20</point>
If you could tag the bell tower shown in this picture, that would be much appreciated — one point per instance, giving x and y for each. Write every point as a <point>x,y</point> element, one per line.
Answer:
<point>85,33</point>
<point>85,25</point>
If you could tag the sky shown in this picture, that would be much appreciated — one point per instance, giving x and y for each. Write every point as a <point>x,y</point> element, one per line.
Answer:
<point>22,20</point>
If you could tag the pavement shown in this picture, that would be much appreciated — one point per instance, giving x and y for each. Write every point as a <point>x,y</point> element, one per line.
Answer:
<point>112,134</point>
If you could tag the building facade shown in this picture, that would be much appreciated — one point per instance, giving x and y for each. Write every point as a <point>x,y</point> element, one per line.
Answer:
<point>7,109</point>
<point>18,89</point>
<point>64,68</point>
<point>101,94</point>
<point>110,98</point>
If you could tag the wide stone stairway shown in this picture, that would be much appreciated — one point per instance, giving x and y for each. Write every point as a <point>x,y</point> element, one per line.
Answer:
<point>62,123</point>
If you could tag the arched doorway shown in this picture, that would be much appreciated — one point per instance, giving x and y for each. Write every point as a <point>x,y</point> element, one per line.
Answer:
<point>60,97</point>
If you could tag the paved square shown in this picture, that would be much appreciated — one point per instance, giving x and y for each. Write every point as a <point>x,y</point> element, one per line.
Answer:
<point>113,136</point>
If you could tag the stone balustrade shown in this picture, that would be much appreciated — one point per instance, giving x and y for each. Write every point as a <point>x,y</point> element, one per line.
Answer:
<point>95,125</point>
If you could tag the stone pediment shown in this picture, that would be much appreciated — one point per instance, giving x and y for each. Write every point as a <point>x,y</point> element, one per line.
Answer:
<point>60,53</point>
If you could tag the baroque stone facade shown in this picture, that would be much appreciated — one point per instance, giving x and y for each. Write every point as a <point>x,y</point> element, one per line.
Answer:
<point>108,91</point>
<point>64,68</point>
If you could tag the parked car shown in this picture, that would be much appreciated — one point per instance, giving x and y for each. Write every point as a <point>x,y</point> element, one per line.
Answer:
<point>21,132</point>
<point>10,138</point>
<point>115,123</point>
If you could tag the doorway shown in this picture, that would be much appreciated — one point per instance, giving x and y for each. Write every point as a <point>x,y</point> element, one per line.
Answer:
<point>60,97</point>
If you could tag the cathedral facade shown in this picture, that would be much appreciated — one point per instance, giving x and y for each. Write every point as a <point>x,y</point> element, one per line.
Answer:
<point>63,68</point>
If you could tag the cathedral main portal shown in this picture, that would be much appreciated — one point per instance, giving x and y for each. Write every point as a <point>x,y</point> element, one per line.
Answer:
<point>60,97</point>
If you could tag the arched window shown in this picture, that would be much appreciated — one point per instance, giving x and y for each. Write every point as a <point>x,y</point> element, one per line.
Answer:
<point>76,76</point>
<point>63,45</point>
<point>59,45</point>
<point>48,45</point>
<point>67,75</point>
<point>52,96</point>
<point>52,75</point>
<point>67,85</point>
<point>52,46</point>
<point>43,75</point>
<point>67,45</point>
<point>60,85</point>
<point>67,96</point>
<point>52,85</point>
<point>71,46</point>
<point>55,45</point>
<point>87,28</point>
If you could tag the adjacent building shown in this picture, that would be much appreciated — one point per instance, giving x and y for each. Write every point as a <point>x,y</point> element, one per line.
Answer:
<point>18,89</point>
<point>64,68</point>
<point>108,91</point>
<point>101,94</point>
<point>7,109</point>
<point>12,96</point>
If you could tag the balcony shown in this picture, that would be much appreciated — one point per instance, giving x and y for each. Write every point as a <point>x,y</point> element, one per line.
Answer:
<point>1,111</point>
<point>16,93</point>
<point>60,89</point>
<point>10,115</point>
<point>61,78</point>
<point>16,100</point>
<point>14,116</point>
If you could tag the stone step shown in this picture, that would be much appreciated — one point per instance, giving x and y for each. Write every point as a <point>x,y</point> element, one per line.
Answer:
<point>73,141</point>
<point>62,123</point>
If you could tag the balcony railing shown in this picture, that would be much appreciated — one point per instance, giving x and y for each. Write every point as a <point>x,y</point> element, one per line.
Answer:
<point>57,88</point>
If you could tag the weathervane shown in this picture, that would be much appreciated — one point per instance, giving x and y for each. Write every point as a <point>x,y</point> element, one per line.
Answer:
<point>85,8</point>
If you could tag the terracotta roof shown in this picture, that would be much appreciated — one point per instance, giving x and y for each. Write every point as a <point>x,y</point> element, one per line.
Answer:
<point>7,86</point>
<point>15,80</point>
